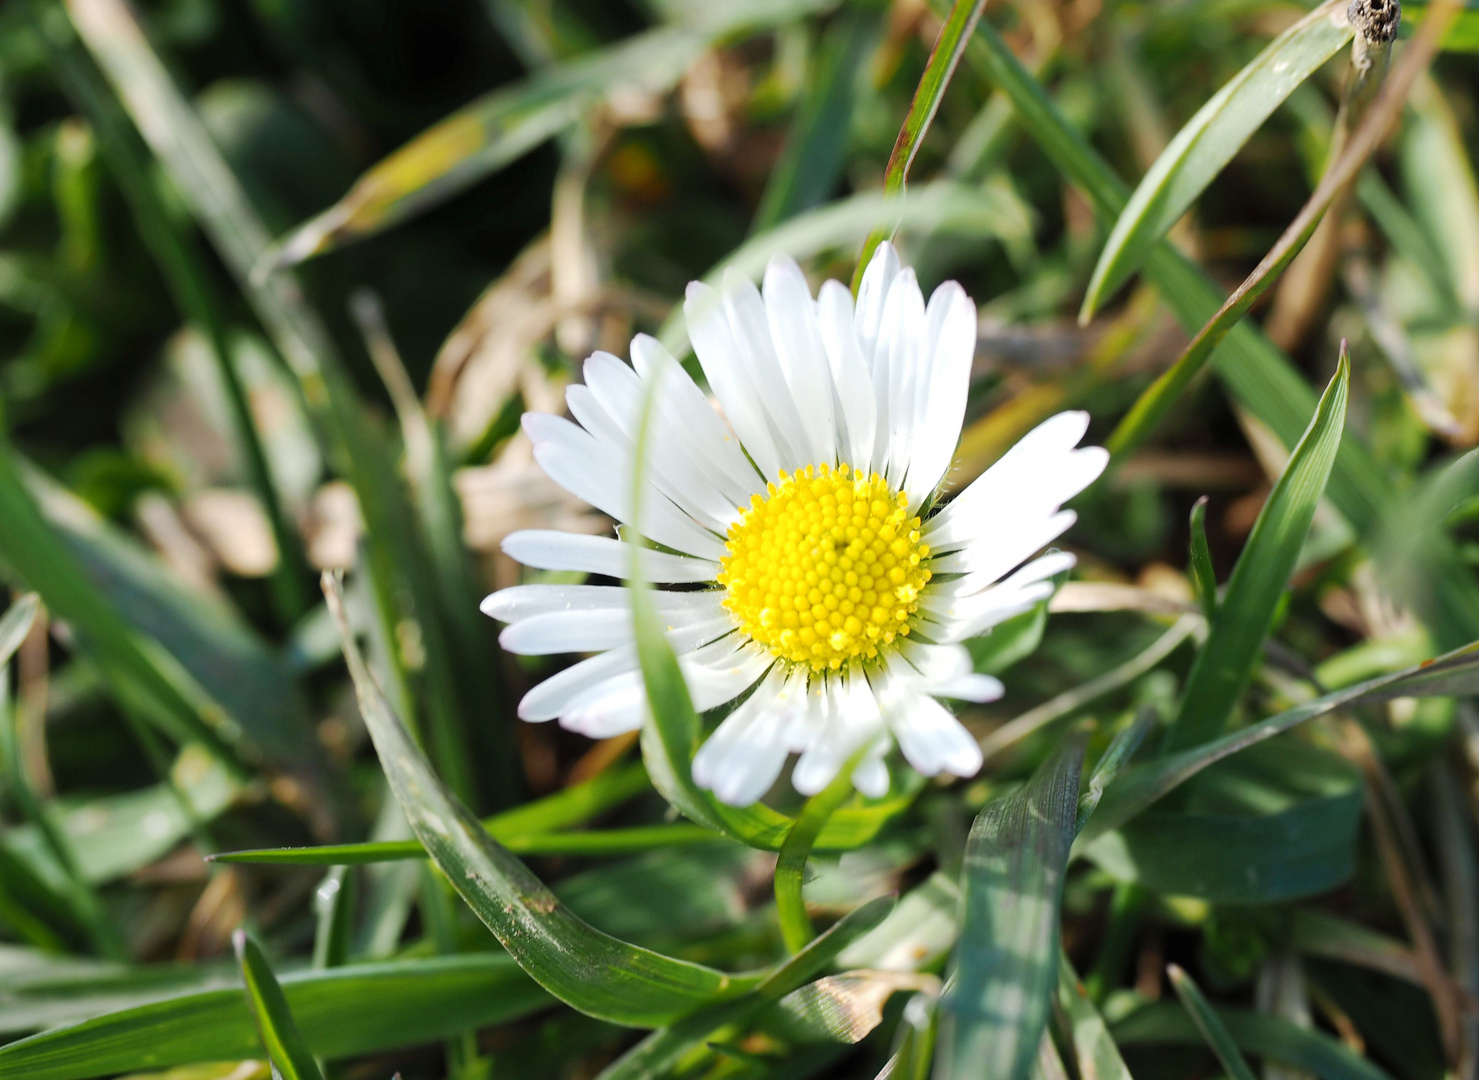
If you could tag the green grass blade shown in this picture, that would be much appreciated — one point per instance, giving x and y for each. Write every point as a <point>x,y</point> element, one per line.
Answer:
<point>1454,674</point>
<point>362,1008</point>
<point>333,904</point>
<point>1207,1022</point>
<point>1203,577</point>
<point>1005,963</point>
<point>1093,1047</point>
<point>1115,757</point>
<point>497,129</point>
<point>815,152</point>
<point>656,1055</point>
<point>1270,1037</point>
<point>16,624</point>
<point>1225,662</point>
<point>1253,370</point>
<point>275,1026</point>
<point>949,46</point>
<point>588,970</point>
<point>1209,141</point>
<point>790,866</point>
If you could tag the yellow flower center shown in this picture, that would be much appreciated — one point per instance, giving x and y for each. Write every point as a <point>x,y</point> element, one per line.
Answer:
<point>825,567</point>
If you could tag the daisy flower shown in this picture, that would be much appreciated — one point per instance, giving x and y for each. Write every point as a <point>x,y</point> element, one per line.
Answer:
<point>821,581</point>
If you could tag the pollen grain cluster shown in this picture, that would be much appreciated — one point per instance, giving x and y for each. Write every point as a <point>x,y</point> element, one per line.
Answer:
<point>825,567</point>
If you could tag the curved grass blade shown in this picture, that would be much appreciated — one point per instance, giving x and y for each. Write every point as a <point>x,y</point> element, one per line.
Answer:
<point>1209,141</point>
<point>1379,117</point>
<point>588,970</point>
<point>594,843</point>
<point>966,211</point>
<point>285,1049</point>
<point>359,1009</point>
<point>951,43</point>
<point>656,1055</point>
<point>790,867</point>
<point>1203,577</point>
<point>501,127</point>
<point>1454,674</point>
<point>1225,663</point>
<point>1098,1058</point>
<point>1005,968</point>
<point>1270,1037</point>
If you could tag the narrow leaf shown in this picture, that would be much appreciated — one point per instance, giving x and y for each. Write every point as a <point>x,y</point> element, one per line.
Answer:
<point>1203,577</point>
<point>1209,1025</point>
<point>588,970</point>
<point>1225,663</point>
<point>16,624</point>
<point>1005,967</point>
<point>1097,1055</point>
<point>1209,141</point>
<point>285,1049</point>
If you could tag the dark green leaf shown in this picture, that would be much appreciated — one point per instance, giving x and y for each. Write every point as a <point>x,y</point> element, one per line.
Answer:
<point>1210,1025</point>
<point>279,1034</point>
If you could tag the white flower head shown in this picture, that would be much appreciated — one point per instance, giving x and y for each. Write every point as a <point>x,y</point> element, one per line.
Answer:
<point>838,592</point>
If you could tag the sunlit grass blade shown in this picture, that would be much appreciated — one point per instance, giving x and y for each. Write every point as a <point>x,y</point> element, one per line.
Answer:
<point>1253,370</point>
<point>495,130</point>
<point>949,46</point>
<point>656,1055</point>
<point>994,1014</point>
<point>1203,577</point>
<point>16,624</point>
<point>345,1011</point>
<point>333,904</point>
<point>1270,1037</point>
<point>1093,1047</point>
<point>275,1026</point>
<point>1454,674</point>
<point>1152,405</point>
<point>790,867</point>
<point>1209,141</point>
<point>966,211</point>
<point>1209,1025</point>
<point>1225,662</point>
<point>591,971</point>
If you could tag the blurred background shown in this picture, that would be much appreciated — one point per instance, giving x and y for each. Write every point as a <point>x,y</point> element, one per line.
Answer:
<point>261,260</point>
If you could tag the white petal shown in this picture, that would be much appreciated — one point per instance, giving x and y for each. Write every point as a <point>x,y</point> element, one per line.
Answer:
<point>798,345</point>
<point>934,741</point>
<point>551,697</point>
<point>742,759</point>
<point>850,717</point>
<point>944,385</point>
<point>873,291</point>
<point>750,325</point>
<point>549,549</point>
<point>970,687</point>
<point>851,376</point>
<point>590,471</point>
<point>592,631</point>
<point>871,776</point>
<point>522,601</point>
<point>1000,549</point>
<point>936,663</point>
<point>613,708</point>
<point>729,376</point>
<point>896,362</point>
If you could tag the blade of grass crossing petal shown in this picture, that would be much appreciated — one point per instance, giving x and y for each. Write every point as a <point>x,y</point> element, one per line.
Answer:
<point>1201,149</point>
<point>358,1009</point>
<point>1225,663</point>
<point>1454,674</point>
<point>1267,1036</point>
<point>1256,373</point>
<point>1005,966</point>
<point>790,867</point>
<point>279,1034</point>
<point>949,45</point>
<point>588,970</point>
<point>656,1055</point>
<point>1203,577</point>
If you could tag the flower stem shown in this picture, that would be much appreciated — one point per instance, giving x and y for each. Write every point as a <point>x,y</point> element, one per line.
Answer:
<point>790,867</point>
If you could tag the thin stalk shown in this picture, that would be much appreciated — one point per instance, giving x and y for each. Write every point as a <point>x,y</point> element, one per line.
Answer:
<point>790,868</point>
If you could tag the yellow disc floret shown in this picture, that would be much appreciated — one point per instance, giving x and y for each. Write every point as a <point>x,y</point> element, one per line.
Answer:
<point>825,567</point>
